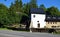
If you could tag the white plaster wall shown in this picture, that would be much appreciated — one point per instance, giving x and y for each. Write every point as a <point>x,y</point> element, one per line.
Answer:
<point>40,18</point>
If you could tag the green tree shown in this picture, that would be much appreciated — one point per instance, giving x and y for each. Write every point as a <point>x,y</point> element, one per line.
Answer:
<point>18,6</point>
<point>14,15</point>
<point>33,4</point>
<point>3,15</point>
<point>43,7</point>
<point>16,12</point>
<point>53,11</point>
<point>26,8</point>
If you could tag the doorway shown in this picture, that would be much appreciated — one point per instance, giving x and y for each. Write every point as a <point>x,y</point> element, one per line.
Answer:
<point>38,25</point>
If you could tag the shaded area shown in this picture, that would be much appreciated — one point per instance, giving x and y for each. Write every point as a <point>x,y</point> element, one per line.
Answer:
<point>17,29</point>
<point>48,30</point>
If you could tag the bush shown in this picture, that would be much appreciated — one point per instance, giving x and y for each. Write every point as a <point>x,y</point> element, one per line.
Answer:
<point>51,30</point>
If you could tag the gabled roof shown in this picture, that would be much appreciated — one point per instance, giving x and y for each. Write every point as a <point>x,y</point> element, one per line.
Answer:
<point>37,11</point>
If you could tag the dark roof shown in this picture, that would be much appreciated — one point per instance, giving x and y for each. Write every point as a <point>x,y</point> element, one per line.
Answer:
<point>37,11</point>
<point>52,18</point>
<point>49,17</point>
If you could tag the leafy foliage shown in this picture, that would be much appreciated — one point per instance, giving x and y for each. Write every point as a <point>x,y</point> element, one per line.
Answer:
<point>3,15</point>
<point>43,7</point>
<point>18,13</point>
<point>53,11</point>
<point>33,4</point>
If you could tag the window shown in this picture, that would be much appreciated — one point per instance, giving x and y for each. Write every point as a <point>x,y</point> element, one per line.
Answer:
<point>54,17</point>
<point>48,22</point>
<point>48,17</point>
<point>52,22</point>
<point>58,17</point>
<point>34,16</point>
<point>38,25</point>
<point>37,21</point>
<point>53,26</point>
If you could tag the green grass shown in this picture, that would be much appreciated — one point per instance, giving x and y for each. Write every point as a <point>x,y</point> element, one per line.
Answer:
<point>57,32</point>
<point>15,30</point>
<point>4,29</point>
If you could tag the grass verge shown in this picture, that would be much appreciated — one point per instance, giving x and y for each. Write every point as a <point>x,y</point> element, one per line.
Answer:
<point>4,29</point>
<point>57,32</point>
<point>14,30</point>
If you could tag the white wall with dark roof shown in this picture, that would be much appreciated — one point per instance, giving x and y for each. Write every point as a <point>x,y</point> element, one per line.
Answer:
<point>40,18</point>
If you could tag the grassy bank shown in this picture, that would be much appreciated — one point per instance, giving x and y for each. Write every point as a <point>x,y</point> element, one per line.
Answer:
<point>4,29</point>
<point>57,32</point>
<point>14,29</point>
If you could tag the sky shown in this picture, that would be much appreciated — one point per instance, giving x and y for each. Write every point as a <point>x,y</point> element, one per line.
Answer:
<point>47,3</point>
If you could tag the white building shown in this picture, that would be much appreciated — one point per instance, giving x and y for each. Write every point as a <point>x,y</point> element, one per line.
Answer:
<point>40,19</point>
<point>37,18</point>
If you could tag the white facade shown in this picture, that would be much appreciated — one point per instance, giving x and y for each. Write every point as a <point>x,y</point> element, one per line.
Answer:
<point>37,17</point>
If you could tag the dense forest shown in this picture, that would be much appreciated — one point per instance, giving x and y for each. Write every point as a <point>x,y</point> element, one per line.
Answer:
<point>18,13</point>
